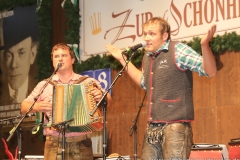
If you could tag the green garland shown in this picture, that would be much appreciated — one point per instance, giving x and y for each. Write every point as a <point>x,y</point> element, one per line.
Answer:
<point>219,44</point>
<point>73,23</point>
<point>45,36</point>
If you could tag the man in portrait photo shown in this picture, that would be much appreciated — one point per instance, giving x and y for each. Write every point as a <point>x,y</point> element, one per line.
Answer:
<point>18,54</point>
<point>18,51</point>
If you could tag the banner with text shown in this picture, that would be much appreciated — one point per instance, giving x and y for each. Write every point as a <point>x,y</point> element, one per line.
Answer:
<point>118,22</point>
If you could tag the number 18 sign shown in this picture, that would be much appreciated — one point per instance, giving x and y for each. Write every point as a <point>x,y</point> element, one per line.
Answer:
<point>104,76</point>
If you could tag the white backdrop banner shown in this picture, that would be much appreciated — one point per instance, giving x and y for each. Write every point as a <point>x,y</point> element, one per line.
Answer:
<point>119,22</point>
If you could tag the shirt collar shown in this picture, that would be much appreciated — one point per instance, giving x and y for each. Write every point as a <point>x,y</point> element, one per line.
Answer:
<point>74,77</point>
<point>164,46</point>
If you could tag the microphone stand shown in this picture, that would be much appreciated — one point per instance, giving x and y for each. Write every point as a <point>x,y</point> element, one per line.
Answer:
<point>16,128</point>
<point>134,128</point>
<point>62,126</point>
<point>103,102</point>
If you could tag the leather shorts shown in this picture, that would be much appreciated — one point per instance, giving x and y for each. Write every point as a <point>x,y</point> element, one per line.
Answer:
<point>167,141</point>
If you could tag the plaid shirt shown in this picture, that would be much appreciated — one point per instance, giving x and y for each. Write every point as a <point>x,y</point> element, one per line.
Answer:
<point>186,58</point>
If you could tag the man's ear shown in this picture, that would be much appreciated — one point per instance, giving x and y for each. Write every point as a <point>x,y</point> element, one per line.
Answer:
<point>34,53</point>
<point>165,36</point>
<point>73,60</point>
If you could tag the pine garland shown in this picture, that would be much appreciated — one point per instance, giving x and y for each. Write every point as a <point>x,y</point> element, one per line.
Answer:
<point>44,62</point>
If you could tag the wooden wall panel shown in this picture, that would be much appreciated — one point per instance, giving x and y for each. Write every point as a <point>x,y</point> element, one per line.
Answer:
<point>127,98</point>
<point>228,80</point>
<point>227,125</point>
<point>222,83</point>
<point>222,125</point>
<point>126,95</point>
<point>233,121</point>
<point>119,128</point>
<point>204,91</point>
<point>203,129</point>
<point>216,117</point>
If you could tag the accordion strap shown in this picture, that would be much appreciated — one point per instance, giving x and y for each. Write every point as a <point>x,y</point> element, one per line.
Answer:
<point>81,79</point>
<point>54,83</point>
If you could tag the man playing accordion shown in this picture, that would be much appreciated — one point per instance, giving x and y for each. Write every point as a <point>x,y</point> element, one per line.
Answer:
<point>78,144</point>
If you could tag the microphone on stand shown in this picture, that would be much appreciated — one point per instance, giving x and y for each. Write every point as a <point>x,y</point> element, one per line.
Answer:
<point>135,47</point>
<point>58,66</point>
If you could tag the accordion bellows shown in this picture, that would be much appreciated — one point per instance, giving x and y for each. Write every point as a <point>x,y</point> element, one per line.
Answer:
<point>74,101</point>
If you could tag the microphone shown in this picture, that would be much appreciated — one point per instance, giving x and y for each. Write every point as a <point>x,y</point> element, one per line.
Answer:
<point>135,47</point>
<point>58,66</point>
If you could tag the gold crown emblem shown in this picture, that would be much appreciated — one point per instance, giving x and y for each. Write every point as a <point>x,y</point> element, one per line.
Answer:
<point>95,23</point>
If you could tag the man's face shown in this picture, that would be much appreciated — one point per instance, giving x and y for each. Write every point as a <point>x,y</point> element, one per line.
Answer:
<point>18,60</point>
<point>62,56</point>
<point>153,37</point>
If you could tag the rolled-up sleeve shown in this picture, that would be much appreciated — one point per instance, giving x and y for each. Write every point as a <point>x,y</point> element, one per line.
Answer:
<point>187,58</point>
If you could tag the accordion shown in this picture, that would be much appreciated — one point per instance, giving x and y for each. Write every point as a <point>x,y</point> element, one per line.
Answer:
<point>74,101</point>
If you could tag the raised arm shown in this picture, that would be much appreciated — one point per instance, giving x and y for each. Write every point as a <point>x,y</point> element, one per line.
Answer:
<point>209,62</point>
<point>134,73</point>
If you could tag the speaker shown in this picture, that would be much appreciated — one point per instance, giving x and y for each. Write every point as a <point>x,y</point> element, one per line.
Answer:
<point>209,151</point>
<point>234,149</point>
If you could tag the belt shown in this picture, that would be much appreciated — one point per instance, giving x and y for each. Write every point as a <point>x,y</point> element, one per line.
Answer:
<point>156,124</point>
<point>162,124</point>
<point>69,139</point>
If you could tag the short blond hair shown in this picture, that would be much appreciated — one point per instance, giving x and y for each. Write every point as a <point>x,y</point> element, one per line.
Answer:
<point>165,27</point>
